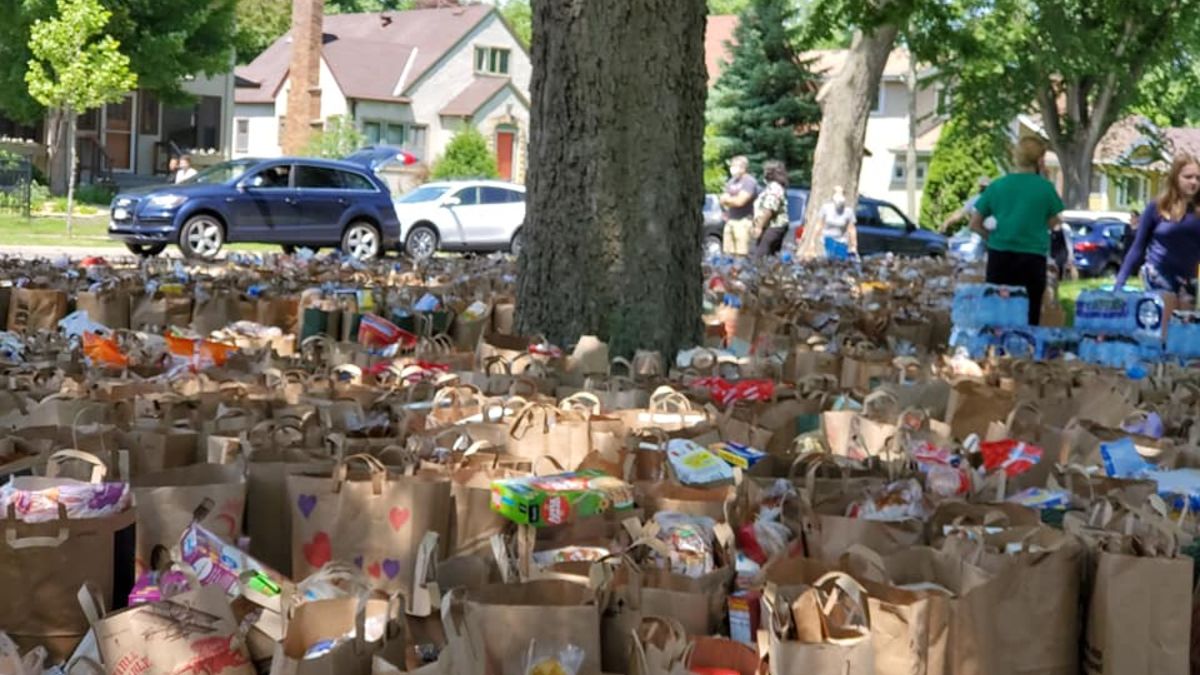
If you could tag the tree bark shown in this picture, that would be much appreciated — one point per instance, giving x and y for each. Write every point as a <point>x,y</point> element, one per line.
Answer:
<point>846,102</point>
<point>55,120</point>
<point>613,224</point>
<point>70,173</point>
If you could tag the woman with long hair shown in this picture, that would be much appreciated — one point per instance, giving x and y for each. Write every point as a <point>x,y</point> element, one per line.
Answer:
<point>771,210</point>
<point>1167,245</point>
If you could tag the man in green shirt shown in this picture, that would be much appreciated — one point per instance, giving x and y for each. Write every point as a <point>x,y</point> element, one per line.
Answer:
<point>1026,207</point>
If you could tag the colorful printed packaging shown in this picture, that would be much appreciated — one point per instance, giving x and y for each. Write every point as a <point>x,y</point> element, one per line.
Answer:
<point>1014,457</point>
<point>559,499</point>
<point>736,454</point>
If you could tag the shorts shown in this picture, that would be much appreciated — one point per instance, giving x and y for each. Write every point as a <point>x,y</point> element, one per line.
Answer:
<point>737,236</point>
<point>1155,280</point>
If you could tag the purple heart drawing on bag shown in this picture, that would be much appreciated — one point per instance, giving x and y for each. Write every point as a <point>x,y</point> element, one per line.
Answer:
<point>307,503</point>
<point>358,561</point>
<point>391,567</point>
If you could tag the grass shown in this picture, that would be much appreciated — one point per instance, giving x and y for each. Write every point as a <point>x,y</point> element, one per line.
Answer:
<point>90,232</point>
<point>1068,291</point>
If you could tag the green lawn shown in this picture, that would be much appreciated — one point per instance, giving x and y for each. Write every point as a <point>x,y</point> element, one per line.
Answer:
<point>90,232</point>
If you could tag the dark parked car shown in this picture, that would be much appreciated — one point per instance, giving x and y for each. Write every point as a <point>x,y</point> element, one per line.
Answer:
<point>292,202</point>
<point>882,228</point>
<point>714,221</point>
<point>1098,249</point>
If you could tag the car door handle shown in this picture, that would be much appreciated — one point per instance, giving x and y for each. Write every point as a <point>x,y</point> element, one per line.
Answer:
<point>343,201</point>
<point>291,200</point>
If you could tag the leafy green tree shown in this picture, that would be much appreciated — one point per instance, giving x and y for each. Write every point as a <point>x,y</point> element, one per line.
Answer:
<point>76,67</point>
<point>340,137</point>
<point>727,6</point>
<point>764,105</point>
<point>960,159</point>
<point>1083,65</point>
<point>467,156</point>
<point>259,24</point>
<point>165,40</point>
<point>519,15</point>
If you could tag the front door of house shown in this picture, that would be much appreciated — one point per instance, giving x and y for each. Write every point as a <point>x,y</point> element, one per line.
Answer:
<point>505,142</point>
<point>118,134</point>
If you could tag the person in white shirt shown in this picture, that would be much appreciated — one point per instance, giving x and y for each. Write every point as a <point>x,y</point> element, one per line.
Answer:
<point>838,222</point>
<point>185,170</point>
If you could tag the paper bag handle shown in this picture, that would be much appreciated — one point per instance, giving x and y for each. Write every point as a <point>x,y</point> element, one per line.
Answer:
<point>589,402</point>
<point>15,542</point>
<point>99,470</point>
<point>374,466</point>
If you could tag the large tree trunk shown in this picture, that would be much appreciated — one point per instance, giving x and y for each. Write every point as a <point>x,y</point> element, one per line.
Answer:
<point>57,174</point>
<point>70,173</point>
<point>1075,161</point>
<point>615,183</point>
<point>846,102</point>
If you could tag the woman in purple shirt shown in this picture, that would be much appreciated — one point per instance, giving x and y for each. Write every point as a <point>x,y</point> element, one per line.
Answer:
<point>1168,239</point>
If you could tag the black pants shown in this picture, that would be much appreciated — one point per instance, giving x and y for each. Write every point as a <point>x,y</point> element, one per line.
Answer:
<point>1020,269</point>
<point>770,242</point>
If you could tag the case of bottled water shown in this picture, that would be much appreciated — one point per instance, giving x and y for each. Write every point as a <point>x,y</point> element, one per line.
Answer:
<point>1119,312</point>
<point>1183,335</point>
<point>1038,342</point>
<point>1120,351</point>
<point>979,305</point>
<point>975,341</point>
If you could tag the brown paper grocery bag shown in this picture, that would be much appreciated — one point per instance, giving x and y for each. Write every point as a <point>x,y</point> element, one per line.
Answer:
<point>374,519</point>
<point>214,311</point>
<point>502,620</point>
<point>43,565</point>
<point>107,307</point>
<point>158,312</point>
<point>321,620</point>
<point>33,309</point>
<point>167,502</point>
<point>974,405</point>
<point>192,632</point>
<point>835,622</point>
<point>1138,616</point>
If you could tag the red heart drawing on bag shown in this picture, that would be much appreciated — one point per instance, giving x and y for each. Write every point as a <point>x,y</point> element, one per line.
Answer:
<point>318,551</point>
<point>374,570</point>
<point>398,517</point>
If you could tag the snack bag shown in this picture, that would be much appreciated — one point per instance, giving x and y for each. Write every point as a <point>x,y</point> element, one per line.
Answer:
<point>549,659</point>
<point>376,331</point>
<point>102,352</point>
<point>690,542</point>
<point>1014,457</point>
<point>901,500</point>
<point>199,354</point>
<point>693,464</point>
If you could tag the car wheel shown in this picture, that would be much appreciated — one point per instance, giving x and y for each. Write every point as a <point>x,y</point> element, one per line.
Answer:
<point>713,247</point>
<point>517,245</point>
<point>288,249</point>
<point>1111,270</point>
<point>201,237</point>
<point>361,241</point>
<point>146,250</point>
<point>422,243</point>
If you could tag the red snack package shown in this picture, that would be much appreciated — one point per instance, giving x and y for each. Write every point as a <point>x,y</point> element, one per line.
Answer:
<point>376,331</point>
<point>100,351</point>
<point>1014,457</point>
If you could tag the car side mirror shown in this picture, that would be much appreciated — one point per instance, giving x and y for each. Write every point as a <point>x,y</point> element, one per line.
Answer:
<point>452,201</point>
<point>253,182</point>
<point>910,228</point>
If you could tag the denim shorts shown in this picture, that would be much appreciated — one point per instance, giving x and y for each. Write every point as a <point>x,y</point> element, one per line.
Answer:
<point>1155,280</point>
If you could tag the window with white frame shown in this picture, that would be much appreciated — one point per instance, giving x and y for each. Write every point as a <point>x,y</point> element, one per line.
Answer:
<point>900,171</point>
<point>879,99</point>
<point>1132,191</point>
<point>945,97</point>
<point>491,60</point>
<point>241,137</point>
<point>411,137</point>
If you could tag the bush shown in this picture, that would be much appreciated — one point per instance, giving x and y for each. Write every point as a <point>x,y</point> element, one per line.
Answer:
<point>97,194</point>
<point>339,138</point>
<point>467,156</point>
<point>959,160</point>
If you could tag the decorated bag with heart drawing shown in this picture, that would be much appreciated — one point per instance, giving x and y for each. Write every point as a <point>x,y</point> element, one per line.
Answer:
<point>375,520</point>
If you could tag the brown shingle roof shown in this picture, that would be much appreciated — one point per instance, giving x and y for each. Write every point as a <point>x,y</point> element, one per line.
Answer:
<point>368,52</point>
<point>1180,139</point>
<point>471,99</point>
<point>718,32</point>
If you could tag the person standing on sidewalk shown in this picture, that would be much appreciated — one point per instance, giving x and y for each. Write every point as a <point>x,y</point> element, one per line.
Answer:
<point>738,202</point>
<point>1026,207</point>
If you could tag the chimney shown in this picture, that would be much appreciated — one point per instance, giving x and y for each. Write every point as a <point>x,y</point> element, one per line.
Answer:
<point>304,97</point>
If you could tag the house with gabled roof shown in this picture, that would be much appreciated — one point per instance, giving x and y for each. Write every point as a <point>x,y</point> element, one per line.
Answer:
<point>410,79</point>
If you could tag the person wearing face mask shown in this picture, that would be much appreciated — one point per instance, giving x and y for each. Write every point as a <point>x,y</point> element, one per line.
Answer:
<point>738,202</point>
<point>838,222</point>
<point>1168,239</point>
<point>1026,207</point>
<point>771,210</point>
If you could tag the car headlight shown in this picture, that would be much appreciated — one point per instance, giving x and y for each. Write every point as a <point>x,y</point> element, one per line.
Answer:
<point>165,201</point>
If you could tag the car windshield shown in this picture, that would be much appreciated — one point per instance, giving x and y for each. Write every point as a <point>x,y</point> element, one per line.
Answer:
<point>222,173</point>
<point>423,194</point>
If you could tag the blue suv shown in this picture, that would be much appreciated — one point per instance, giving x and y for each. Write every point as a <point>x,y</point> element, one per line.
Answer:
<point>288,201</point>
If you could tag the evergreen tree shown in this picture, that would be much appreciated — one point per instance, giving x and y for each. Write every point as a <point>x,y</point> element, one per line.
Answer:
<point>959,160</point>
<point>764,105</point>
